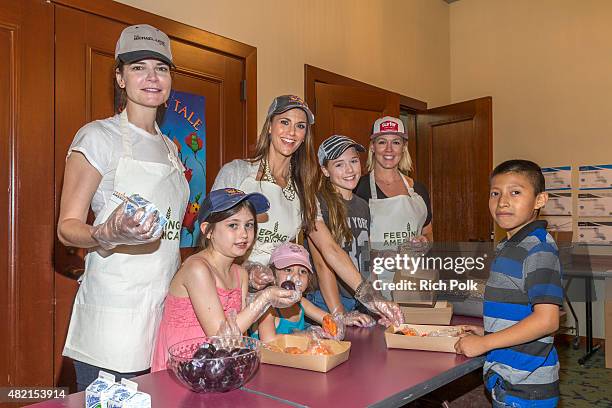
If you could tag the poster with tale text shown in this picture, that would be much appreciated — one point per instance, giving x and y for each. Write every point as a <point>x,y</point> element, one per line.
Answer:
<point>185,125</point>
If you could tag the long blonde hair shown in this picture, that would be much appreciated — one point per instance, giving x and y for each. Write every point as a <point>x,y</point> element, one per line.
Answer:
<point>404,165</point>
<point>304,171</point>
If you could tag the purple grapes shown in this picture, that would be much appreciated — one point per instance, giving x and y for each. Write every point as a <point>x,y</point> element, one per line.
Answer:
<point>218,370</point>
<point>289,285</point>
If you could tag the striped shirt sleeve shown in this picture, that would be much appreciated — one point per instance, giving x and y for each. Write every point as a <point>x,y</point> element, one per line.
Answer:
<point>543,275</point>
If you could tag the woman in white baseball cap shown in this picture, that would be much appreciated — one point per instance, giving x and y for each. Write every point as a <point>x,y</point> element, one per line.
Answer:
<point>130,261</point>
<point>285,170</point>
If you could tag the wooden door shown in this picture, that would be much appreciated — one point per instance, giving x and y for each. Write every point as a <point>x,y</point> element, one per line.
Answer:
<point>454,159</point>
<point>84,60</point>
<point>351,111</point>
<point>26,183</point>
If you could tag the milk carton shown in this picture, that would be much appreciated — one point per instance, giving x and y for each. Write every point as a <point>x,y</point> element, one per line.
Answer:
<point>121,392</point>
<point>99,392</point>
<point>126,396</point>
<point>138,400</point>
<point>136,202</point>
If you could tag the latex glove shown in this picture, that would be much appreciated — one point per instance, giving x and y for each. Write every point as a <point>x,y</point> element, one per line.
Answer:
<point>229,333</point>
<point>121,228</point>
<point>260,275</point>
<point>390,312</point>
<point>272,296</point>
<point>356,318</point>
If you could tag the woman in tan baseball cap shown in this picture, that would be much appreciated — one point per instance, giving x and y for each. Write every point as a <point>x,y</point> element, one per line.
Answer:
<point>129,174</point>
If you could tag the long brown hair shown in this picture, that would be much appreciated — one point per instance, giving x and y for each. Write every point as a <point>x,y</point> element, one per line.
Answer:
<point>120,94</point>
<point>304,171</point>
<point>337,224</point>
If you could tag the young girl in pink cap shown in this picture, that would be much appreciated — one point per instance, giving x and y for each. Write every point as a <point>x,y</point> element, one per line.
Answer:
<point>292,269</point>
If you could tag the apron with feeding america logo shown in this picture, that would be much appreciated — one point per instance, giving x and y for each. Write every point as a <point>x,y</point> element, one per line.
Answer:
<point>119,303</point>
<point>395,221</point>
<point>284,219</point>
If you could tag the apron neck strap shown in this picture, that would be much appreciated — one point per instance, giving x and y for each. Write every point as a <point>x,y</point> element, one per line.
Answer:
<point>125,134</point>
<point>127,140</point>
<point>373,186</point>
<point>374,194</point>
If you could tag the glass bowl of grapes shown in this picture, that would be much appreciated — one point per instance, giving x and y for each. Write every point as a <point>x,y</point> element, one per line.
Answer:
<point>214,364</point>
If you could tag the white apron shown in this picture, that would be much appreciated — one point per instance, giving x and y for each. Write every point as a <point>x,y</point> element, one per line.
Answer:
<point>119,303</point>
<point>395,221</point>
<point>284,219</point>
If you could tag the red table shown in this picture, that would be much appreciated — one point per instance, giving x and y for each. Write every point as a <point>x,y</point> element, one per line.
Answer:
<point>167,392</point>
<point>373,376</point>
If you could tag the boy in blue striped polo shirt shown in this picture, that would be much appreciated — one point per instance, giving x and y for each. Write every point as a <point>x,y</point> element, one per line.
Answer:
<point>522,296</point>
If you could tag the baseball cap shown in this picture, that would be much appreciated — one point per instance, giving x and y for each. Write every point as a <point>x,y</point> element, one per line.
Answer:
<point>288,254</point>
<point>225,198</point>
<point>334,146</point>
<point>388,125</point>
<point>143,41</point>
<point>284,103</point>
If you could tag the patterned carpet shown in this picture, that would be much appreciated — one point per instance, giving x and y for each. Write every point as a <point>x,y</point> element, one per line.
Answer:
<point>581,386</point>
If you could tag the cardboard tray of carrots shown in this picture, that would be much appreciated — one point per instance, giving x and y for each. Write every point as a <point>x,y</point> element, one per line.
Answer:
<point>297,352</point>
<point>418,337</point>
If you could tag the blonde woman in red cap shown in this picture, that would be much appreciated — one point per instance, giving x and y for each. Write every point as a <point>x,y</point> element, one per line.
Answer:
<point>399,206</point>
<point>285,170</point>
<point>129,174</point>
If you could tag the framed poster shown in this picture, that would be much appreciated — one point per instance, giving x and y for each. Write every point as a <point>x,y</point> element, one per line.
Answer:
<point>184,123</point>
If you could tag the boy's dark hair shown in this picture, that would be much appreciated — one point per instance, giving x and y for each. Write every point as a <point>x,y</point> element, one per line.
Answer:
<point>214,218</point>
<point>529,169</point>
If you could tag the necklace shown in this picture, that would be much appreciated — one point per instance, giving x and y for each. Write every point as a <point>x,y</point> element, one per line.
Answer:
<point>288,190</point>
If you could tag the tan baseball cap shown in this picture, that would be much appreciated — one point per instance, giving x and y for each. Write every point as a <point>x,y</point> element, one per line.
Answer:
<point>143,41</point>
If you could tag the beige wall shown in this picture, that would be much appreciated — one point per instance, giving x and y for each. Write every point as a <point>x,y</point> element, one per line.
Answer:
<point>397,45</point>
<point>548,66</point>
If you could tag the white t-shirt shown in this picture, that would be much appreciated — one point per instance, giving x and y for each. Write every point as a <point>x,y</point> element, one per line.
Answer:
<point>101,143</point>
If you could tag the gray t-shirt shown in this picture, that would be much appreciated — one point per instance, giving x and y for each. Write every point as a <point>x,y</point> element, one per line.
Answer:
<point>358,214</point>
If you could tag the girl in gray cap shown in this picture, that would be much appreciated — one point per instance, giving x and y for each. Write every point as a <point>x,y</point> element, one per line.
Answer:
<point>348,218</point>
<point>130,261</point>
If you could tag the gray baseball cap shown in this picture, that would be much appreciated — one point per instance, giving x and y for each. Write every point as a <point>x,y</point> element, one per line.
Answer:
<point>143,41</point>
<point>334,146</point>
<point>284,103</point>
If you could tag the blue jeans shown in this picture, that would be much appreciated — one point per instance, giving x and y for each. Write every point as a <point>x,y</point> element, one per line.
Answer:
<point>87,373</point>
<point>316,298</point>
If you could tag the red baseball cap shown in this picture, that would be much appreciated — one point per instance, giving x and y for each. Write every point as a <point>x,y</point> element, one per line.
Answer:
<point>388,125</point>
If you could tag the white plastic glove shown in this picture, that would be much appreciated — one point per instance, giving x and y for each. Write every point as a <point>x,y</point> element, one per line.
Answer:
<point>260,276</point>
<point>229,333</point>
<point>390,312</point>
<point>356,318</point>
<point>121,228</point>
<point>272,296</point>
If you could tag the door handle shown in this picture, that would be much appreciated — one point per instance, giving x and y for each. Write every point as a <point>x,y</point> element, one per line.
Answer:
<point>73,272</point>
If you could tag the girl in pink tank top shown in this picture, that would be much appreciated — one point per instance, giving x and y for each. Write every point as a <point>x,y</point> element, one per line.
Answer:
<point>210,284</point>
